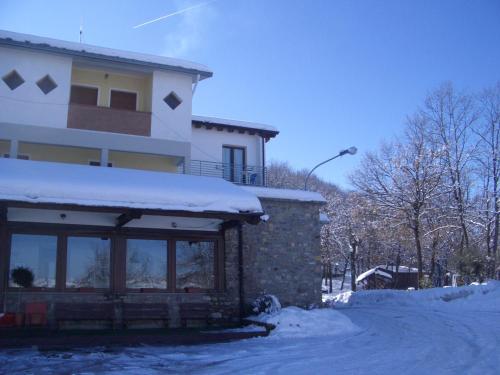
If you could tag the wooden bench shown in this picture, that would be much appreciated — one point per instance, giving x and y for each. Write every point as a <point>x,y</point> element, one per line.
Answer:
<point>199,312</point>
<point>145,311</point>
<point>84,311</point>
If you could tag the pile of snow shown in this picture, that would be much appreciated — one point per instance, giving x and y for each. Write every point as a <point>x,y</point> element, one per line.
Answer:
<point>267,303</point>
<point>466,297</point>
<point>296,322</point>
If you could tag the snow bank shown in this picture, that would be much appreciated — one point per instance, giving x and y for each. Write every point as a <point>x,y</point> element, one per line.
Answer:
<point>46,182</point>
<point>296,322</point>
<point>466,297</point>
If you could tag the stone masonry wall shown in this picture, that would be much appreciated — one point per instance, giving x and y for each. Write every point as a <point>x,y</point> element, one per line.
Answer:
<point>282,255</point>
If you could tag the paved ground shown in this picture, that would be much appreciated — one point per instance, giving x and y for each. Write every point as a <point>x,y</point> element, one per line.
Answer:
<point>395,336</point>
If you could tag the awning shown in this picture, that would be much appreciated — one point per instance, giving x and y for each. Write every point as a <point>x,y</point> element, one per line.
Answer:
<point>47,183</point>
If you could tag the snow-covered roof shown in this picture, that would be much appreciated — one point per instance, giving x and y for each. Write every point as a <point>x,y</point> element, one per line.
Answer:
<point>102,53</point>
<point>47,182</point>
<point>323,218</point>
<point>372,271</point>
<point>287,194</point>
<point>401,269</point>
<point>236,124</point>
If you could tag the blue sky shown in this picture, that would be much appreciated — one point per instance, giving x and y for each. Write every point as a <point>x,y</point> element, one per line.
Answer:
<point>329,74</point>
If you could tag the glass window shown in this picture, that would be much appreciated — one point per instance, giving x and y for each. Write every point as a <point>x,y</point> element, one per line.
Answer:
<point>195,264</point>
<point>88,262</point>
<point>33,261</point>
<point>146,264</point>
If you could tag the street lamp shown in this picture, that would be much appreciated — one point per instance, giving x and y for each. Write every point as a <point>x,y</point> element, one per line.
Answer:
<point>351,151</point>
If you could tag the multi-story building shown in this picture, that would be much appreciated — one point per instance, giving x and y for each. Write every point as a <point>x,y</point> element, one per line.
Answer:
<point>114,197</point>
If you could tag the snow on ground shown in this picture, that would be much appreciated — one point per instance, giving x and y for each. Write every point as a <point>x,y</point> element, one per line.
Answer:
<point>436,331</point>
<point>295,322</point>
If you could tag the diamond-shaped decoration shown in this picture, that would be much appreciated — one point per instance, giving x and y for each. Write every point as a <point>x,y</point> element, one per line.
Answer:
<point>13,80</point>
<point>172,100</point>
<point>46,84</point>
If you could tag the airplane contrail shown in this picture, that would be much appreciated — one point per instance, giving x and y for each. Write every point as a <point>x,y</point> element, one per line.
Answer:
<point>174,14</point>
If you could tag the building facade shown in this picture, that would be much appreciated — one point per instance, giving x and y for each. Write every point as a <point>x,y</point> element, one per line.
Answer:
<point>119,207</point>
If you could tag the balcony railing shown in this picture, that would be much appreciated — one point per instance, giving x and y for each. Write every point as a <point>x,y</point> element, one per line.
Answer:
<point>107,119</point>
<point>237,173</point>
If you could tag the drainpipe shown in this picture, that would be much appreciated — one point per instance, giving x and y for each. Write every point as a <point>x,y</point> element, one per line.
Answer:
<point>240,271</point>
<point>264,182</point>
<point>197,79</point>
<point>14,146</point>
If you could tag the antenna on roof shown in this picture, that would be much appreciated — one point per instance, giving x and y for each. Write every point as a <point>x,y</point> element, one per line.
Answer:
<point>81,29</point>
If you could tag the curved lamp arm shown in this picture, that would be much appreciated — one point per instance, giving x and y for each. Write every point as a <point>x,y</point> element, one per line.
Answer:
<point>350,151</point>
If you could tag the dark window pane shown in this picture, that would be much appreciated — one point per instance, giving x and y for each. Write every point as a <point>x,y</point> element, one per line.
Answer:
<point>38,255</point>
<point>13,80</point>
<point>46,84</point>
<point>123,100</point>
<point>88,262</point>
<point>146,264</point>
<point>195,264</point>
<point>83,95</point>
<point>172,100</point>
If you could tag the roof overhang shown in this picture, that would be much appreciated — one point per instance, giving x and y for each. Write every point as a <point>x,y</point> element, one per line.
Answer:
<point>265,131</point>
<point>101,54</point>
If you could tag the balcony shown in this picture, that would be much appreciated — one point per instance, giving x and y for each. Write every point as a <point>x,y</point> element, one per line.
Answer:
<point>105,119</point>
<point>237,173</point>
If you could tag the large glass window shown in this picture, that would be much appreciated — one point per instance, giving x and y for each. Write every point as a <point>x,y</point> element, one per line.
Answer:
<point>146,264</point>
<point>33,261</point>
<point>88,263</point>
<point>234,164</point>
<point>195,264</point>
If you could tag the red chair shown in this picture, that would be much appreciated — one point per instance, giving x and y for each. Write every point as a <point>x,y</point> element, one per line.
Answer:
<point>36,313</point>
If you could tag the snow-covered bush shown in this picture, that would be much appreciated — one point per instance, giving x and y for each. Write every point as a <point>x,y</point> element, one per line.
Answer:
<point>267,303</point>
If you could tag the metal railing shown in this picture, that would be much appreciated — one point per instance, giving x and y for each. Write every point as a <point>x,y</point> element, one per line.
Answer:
<point>237,173</point>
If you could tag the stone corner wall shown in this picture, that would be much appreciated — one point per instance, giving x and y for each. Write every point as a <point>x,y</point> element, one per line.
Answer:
<point>282,255</point>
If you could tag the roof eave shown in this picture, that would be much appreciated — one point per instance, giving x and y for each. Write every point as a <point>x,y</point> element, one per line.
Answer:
<point>262,132</point>
<point>249,217</point>
<point>100,57</point>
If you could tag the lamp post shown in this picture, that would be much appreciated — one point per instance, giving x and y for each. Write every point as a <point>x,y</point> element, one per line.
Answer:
<point>351,151</point>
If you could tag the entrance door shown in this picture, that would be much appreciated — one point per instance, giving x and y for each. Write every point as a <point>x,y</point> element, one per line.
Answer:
<point>234,164</point>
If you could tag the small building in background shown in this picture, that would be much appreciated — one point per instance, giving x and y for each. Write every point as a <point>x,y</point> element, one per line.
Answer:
<point>389,277</point>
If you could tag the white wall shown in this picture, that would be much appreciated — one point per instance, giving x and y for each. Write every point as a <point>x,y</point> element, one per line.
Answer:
<point>207,145</point>
<point>165,122</point>
<point>27,104</point>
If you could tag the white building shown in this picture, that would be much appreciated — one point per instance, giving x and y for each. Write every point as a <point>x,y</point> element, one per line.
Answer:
<point>113,195</point>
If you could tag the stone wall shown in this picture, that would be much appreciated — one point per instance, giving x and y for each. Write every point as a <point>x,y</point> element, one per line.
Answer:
<point>282,255</point>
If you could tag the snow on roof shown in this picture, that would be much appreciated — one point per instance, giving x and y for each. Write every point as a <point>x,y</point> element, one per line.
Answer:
<point>66,47</point>
<point>288,194</point>
<point>47,182</point>
<point>372,271</point>
<point>235,123</point>
<point>401,269</point>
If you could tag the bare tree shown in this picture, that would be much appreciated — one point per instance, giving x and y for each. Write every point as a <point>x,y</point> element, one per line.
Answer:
<point>489,134</point>
<point>451,117</point>
<point>403,178</point>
